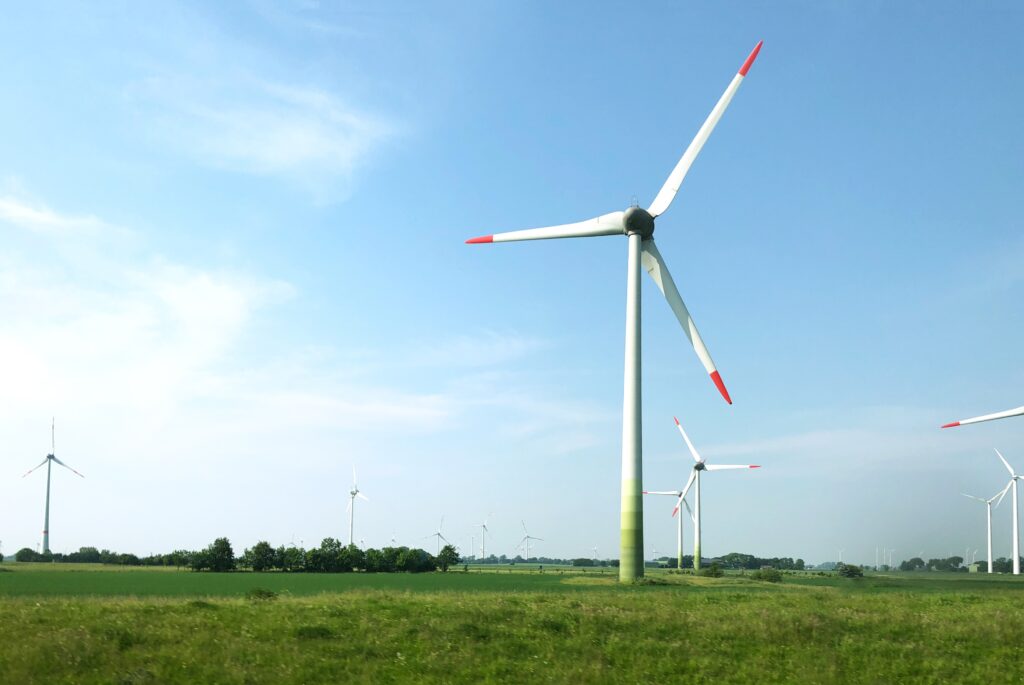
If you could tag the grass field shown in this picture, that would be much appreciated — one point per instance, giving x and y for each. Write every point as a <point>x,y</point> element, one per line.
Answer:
<point>93,625</point>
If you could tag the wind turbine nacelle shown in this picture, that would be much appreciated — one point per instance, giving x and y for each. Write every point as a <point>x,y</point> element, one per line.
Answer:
<point>637,220</point>
<point>700,466</point>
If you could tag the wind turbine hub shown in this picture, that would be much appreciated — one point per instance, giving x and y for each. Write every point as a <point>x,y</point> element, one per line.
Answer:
<point>637,220</point>
<point>699,466</point>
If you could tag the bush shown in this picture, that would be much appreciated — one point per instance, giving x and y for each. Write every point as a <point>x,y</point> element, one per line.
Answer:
<point>261,594</point>
<point>849,570</point>
<point>712,571</point>
<point>769,575</point>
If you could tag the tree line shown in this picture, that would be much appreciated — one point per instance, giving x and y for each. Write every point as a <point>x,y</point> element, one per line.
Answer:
<point>955,563</point>
<point>330,557</point>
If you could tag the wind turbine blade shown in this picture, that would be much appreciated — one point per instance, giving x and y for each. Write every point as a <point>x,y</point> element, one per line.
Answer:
<point>539,539</point>
<point>606,224</point>
<point>1003,493</point>
<point>348,507</point>
<point>682,495</point>
<point>443,538</point>
<point>1005,463</point>
<point>689,511</point>
<point>726,467</point>
<point>987,417</point>
<point>979,498</point>
<point>523,523</point>
<point>354,481</point>
<point>654,265</point>
<point>35,467</point>
<point>675,179</point>
<point>674,493</point>
<point>693,450</point>
<point>67,467</point>
<point>359,494</point>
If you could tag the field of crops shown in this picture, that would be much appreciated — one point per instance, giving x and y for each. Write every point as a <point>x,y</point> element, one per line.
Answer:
<point>85,625</point>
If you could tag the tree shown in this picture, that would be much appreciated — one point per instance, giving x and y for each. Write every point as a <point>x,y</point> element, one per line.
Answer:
<point>217,557</point>
<point>447,557</point>
<point>849,570</point>
<point>261,556</point>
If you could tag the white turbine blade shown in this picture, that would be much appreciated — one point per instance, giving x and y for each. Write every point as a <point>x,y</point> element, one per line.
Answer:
<point>986,501</point>
<point>1005,463</point>
<point>538,539</point>
<point>443,538</point>
<point>654,264</point>
<point>1002,493</point>
<point>35,467</point>
<point>675,179</point>
<point>682,495</point>
<point>348,507</point>
<point>359,494</point>
<point>689,511</point>
<point>354,481</point>
<point>726,467</point>
<point>674,493</point>
<point>987,417</point>
<point>693,450</point>
<point>606,224</point>
<point>67,467</point>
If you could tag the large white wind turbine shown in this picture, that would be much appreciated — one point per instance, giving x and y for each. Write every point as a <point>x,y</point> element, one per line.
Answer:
<point>997,498</point>
<point>679,521</point>
<point>439,535</point>
<point>50,458</point>
<point>987,417</point>
<point>526,540</point>
<point>699,466</point>
<point>1016,533</point>
<point>353,493</point>
<point>638,225</point>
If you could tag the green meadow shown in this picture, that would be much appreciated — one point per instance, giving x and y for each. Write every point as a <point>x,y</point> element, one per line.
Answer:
<point>96,625</point>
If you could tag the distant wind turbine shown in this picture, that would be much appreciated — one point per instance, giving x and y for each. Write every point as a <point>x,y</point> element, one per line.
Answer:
<point>439,535</point>
<point>997,498</point>
<point>526,540</point>
<point>352,504</point>
<point>483,537</point>
<point>679,521</point>
<point>1016,531</point>
<point>637,224</point>
<point>50,458</point>
<point>694,479</point>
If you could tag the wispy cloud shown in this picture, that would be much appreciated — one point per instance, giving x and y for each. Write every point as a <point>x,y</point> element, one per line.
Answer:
<point>305,135</point>
<point>23,214</point>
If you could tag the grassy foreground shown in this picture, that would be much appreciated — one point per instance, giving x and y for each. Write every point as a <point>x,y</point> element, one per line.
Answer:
<point>520,628</point>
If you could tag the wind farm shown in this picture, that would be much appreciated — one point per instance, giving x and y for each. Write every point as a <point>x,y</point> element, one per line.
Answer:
<point>268,264</point>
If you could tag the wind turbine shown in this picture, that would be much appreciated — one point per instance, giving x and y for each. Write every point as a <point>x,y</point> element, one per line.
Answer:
<point>701,465</point>
<point>997,498</point>
<point>50,458</point>
<point>353,493</point>
<point>638,225</point>
<point>483,538</point>
<point>439,535</point>
<point>679,521</point>
<point>987,417</point>
<point>1016,537</point>
<point>526,539</point>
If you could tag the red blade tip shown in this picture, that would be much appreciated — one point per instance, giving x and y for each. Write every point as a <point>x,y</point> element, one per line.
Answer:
<point>721,387</point>
<point>676,420</point>
<point>952,425</point>
<point>750,60</point>
<point>755,466</point>
<point>481,239</point>
<point>675,511</point>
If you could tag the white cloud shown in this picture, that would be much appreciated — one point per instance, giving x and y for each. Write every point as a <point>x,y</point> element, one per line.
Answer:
<point>303,134</point>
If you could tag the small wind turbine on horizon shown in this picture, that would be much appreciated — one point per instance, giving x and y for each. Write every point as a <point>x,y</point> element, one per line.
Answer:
<point>694,480</point>
<point>526,540</point>
<point>483,537</point>
<point>50,458</point>
<point>637,224</point>
<point>1016,531</point>
<point>353,493</point>
<point>439,535</point>
<point>997,498</point>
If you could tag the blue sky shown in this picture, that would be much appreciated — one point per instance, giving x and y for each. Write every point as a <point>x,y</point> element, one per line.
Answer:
<point>233,267</point>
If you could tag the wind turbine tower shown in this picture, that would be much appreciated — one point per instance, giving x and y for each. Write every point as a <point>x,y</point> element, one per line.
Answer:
<point>50,459</point>
<point>997,498</point>
<point>1016,532</point>
<point>526,540</point>
<point>637,224</point>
